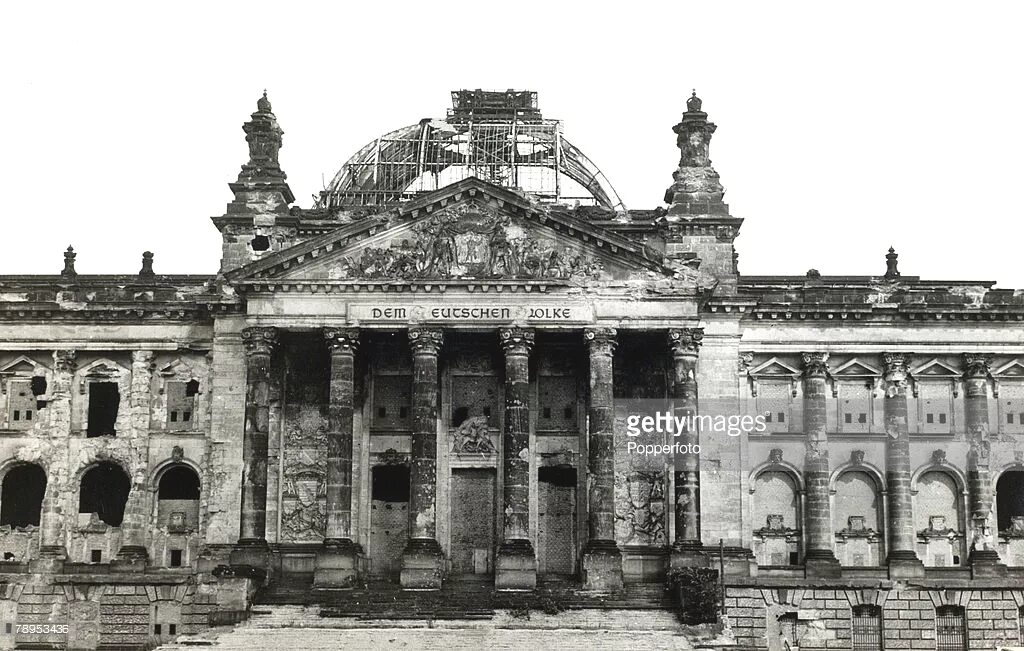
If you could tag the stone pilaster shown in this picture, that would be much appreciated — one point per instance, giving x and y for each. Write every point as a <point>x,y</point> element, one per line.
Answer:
<point>602,560</point>
<point>821,559</point>
<point>136,516</point>
<point>516,566</point>
<point>252,543</point>
<point>979,475</point>
<point>337,563</point>
<point>903,560</point>
<point>52,548</point>
<point>422,559</point>
<point>685,345</point>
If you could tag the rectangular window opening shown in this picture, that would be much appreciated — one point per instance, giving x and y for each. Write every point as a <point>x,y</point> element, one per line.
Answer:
<point>104,400</point>
<point>175,558</point>
<point>96,556</point>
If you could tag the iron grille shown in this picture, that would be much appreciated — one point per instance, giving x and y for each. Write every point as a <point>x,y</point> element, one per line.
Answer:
<point>950,629</point>
<point>867,628</point>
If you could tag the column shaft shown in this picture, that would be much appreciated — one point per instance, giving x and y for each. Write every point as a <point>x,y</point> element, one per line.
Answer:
<point>902,537</point>
<point>422,560</point>
<point>820,556</point>
<point>259,344</point>
<point>685,344</point>
<point>342,344</point>
<point>516,565</point>
<point>979,478</point>
<point>137,511</point>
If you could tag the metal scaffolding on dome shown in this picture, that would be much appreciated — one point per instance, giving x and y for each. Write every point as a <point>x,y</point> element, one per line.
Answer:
<point>497,136</point>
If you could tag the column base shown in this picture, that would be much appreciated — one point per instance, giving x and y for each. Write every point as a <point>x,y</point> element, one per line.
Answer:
<point>823,563</point>
<point>602,566</point>
<point>130,558</point>
<point>905,564</point>
<point>251,557</point>
<point>516,566</point>
<point>986,562</point>
<point>422,565</point>
<point>337,565</point>
<point>688,553</point>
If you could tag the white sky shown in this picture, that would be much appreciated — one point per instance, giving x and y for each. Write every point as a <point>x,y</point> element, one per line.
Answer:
<point>842,128</point>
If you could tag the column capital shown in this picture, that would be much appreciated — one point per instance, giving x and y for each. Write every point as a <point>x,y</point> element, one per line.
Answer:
<point>426,340</point>
<point>259,340</point>
<point>65,360</point>
<point>685,342</point>
<point>977,365</point>
<point>895,367</point>
<point>516,340</point>
<point>815,364</point>
<point>600,341</point>
<point>342,340</point>
<point>143,357</point>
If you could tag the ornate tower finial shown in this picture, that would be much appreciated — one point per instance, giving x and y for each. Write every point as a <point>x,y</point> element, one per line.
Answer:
<point>694,103</point>
<point>891,272</point>
<point>69,263</point>
<point>147,265</point>
<point>263,104</point>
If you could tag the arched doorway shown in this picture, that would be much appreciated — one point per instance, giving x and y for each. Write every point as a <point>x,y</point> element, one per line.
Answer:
<point>21,498</point>
<point>104,492</point>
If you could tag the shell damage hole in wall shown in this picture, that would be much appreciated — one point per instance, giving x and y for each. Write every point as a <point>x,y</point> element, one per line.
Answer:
<point>21,499</point>
<point>104,400</point>
<point>260,243</point>
<point>104,493</point>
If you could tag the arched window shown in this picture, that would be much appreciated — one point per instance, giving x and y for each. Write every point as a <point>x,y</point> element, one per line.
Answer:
<point>776,518</point>
<point>21,499</point>
<point>857,519</point>
<point>1010,501</point>
<point>178,499</point>
<point>104,491</point>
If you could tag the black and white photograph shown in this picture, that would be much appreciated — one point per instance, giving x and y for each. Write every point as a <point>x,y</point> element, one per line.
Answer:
<point>524,325</point>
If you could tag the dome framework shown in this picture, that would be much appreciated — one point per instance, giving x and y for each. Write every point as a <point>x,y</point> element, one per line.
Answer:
<point>497,136</point>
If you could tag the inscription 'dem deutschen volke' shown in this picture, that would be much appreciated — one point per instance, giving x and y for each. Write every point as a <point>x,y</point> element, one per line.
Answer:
<point>490,313</point>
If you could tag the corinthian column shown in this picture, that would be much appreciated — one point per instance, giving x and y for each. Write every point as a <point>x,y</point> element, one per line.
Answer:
<point>52,549</point>
<point>821,559</point>
<point>252,543</point>
<point>685,344</point>
<point>979,477</point>
<point>602,560</point>
<point>337,562</point>
<point>516,566</point>
<point>136,515</point>
<point>903,559</point>
<point>422,559</point>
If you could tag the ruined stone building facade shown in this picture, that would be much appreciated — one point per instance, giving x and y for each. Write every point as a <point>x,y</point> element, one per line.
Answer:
<point>426,375</point>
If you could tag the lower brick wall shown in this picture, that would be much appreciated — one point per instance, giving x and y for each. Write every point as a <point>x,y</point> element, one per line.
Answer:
<point>814,619</point>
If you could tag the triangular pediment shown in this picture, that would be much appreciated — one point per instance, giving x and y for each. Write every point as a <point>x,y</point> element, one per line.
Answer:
<point>21,365</point>
<point>470,230</point>
<point>856,369</point>
<point>774,368</point>
<point>1014,368</point>
<point>937,369</point>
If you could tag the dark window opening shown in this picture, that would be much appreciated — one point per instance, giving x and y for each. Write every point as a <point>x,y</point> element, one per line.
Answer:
<point>186,416</point>
<point>382,412</point>
<point>179,483</point>
<point>567,413</point>
<point>172,629</point>
<point>104,400</point>
<point>38,385</point>
<point>848,418</point>
<point>1009,498</point>
<point>867,628</point>
<point>174,417</point>
<point>96,556</point>
<point>558,476</point>
<point>390,484</point>
<point>8,627</point>
<point>929,418</point>
<point>192,388</point>
<point>862,418</point>
<point>767,416</point>
<point>403,412</point>
<point>546,413</point>
<point>175,558</point>
<point>17,415</point>
<point>782,417</point>
<point>942,419</point>
<point>156,629</point>
<point>104,491</point>
<point>21,499</point>
<point>487,412</point>
<point>260,243</point>
<point>794,558</point>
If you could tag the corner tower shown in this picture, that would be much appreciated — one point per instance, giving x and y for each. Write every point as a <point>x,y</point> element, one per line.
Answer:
<point>257,221</point>
<point>697,219</point>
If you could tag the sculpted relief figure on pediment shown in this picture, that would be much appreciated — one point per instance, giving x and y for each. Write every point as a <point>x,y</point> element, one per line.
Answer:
<point>471,241</point>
